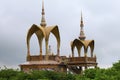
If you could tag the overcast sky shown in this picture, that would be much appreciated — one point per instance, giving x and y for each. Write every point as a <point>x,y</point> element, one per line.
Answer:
<point>101,23</point>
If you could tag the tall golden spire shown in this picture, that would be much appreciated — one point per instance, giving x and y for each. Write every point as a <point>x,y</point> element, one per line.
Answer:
<point>82,35</point>
<point>43,22</point>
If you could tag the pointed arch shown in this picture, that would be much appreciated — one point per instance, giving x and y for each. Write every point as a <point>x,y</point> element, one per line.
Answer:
<point>82,43</point>
<point>40,37</point>
<point>55,32</point>
<point>91,45</point>
<point>78,44</point>
<point>34,29</point>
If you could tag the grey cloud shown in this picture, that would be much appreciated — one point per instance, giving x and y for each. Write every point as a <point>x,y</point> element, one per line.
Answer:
<point>101,24</point>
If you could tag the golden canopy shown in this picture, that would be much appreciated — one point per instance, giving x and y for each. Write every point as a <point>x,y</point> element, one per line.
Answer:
<point>82,43</point>
<point>43,32</point>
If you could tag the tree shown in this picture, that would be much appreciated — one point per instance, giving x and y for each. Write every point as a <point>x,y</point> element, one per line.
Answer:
<point>8,73</point>
<point>90,73</point>
<point>116,66</point>
<point>112,73</point>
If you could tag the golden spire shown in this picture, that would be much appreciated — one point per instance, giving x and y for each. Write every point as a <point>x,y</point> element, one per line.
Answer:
<point>82,35</point>
<point>43,22</point>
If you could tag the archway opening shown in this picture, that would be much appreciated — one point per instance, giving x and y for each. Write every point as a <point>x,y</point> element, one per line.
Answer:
<point>89,52</point>
<point>52,45</point>
<point>43,47</point>
<point>75,52</point>
<point>82,51</point>
<point>34,45</point>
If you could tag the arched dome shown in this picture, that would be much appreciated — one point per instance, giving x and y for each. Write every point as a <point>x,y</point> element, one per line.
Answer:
<point>43,32</point>
<point>82,43</point>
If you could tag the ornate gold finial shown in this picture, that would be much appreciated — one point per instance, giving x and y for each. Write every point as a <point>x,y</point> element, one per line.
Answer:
<point>43,22</point>
<point>82,35</point>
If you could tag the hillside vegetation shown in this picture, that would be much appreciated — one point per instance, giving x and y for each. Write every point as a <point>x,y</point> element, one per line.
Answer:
<point>112,73</point>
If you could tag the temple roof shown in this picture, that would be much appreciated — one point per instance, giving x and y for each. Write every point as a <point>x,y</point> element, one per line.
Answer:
<point>85,43</point>
<point>43,32</point>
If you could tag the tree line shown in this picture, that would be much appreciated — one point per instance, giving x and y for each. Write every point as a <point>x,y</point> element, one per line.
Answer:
<point>112,73</point>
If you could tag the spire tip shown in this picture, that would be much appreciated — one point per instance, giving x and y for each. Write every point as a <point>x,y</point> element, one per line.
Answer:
<point>82,35</point>
<point>43,22</point>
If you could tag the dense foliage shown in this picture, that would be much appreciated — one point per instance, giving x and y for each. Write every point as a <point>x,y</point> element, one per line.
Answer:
<point>112,73</point>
